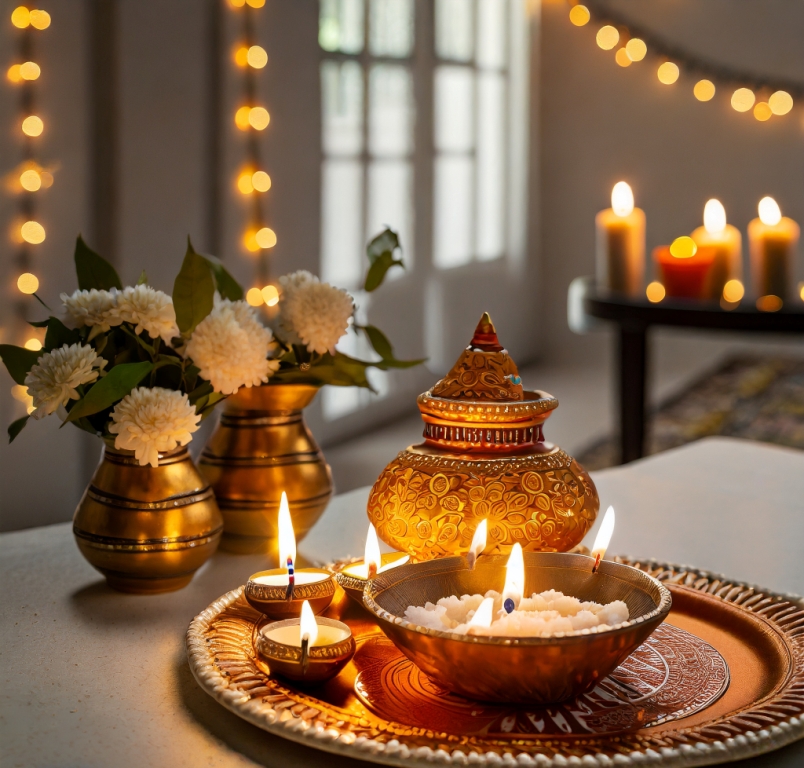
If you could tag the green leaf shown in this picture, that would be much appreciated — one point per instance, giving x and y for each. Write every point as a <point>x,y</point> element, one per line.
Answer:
<point>385,365</point>
<point>39,323</point>
<point>228,287</point>
<point>193,291</point>
<point>16,427</point>
<point>143,278</point>
<point>378,268</point>
<point>18,361</point>
<point>92,270</point>
<point>111,388</point>
<point>58,334</point>
<point>386,242</point>
<point>379,341</point>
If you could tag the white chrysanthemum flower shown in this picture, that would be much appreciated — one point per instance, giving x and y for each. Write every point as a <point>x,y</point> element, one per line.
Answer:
<point>230,347</point>
<point>317,313</point>
<point>92,308</point>
<point>289,283</point>
<point>148,310</point>
<point>153,420</point>
<point>55,377</point>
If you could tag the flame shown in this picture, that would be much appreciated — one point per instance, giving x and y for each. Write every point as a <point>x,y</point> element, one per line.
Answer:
<point>287,539</point>
<point>622,199</point>
<point>479,539</point>
<point>604,534</point>
<point>372,554</point>
<point>483,614</point>
<point>769,212</point>
<point>394,564</point>
<point>714,216</point>
<point>307,625</point>
<point>514,576</point>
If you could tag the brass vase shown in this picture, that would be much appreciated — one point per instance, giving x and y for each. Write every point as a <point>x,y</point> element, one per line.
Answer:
<point>260,448</point>
<point>484,457</point>
<point>147,529</point>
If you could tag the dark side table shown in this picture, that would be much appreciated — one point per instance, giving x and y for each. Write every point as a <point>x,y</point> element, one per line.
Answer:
<point>634,318</point>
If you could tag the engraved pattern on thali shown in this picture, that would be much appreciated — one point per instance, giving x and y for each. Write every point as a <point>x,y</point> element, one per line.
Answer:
<point>672,675</point>
<point>221,656</point>
<point>429,505</point>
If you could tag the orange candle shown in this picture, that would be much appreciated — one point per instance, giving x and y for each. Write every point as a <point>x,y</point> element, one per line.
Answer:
<point>727,242</point>
<point>772,242</point>
<point>684,268</point>
<point>620,248</point>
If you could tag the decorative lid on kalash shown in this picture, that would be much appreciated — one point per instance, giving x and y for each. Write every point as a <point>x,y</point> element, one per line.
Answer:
<point>480,405</point>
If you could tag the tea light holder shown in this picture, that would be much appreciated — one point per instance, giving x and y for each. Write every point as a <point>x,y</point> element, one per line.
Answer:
<point>279,645</point>
<point>267,592</point>
<point>352,577</point>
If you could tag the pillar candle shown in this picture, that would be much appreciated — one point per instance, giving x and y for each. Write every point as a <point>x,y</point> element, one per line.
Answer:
<point>772,242</point>
<point>684,269</point>
<point>727,242</point>
<point>621,243</point>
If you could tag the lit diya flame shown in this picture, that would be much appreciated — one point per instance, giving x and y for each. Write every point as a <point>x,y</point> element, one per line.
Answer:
<point>483,616</point>
<point>372,559</point>
<point>287,543</point>
<point>603,538</point>
<point>514,579</point>
<point>308,633</point>
<point>478,543</point>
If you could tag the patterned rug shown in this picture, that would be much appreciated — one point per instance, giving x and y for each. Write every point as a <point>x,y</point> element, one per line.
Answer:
<point>757,398</point>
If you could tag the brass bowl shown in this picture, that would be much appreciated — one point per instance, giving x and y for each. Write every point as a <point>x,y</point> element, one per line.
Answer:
<point>324,662</point>
<point>524,670</point>
<point>271,601</point>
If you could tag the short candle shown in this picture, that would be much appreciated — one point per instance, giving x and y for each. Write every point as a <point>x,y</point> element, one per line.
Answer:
<point>726,240</point>
<point>620,243</point>
<point>292,635</point>
<point>772,240</point>
<point>281,579</point>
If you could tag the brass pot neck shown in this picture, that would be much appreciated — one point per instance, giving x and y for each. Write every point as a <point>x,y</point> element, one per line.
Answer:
<point>122,456</point>
<point>271,399</point>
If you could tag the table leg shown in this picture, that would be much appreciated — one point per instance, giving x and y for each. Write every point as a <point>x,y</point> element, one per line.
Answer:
<point>633,358</point>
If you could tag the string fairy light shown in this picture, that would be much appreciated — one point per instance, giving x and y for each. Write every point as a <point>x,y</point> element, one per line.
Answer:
<point>29,178</point>
<point>762,97</point>
<point>251,180</point>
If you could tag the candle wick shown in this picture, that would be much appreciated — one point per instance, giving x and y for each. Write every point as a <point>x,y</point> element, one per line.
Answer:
<point>291,580</point>
<point>471,559</point>
<point>372,569</point>
<point>305,653</point>
<point>597,563</point>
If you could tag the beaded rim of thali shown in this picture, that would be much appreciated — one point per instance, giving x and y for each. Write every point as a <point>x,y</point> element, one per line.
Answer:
<point>223,664</point>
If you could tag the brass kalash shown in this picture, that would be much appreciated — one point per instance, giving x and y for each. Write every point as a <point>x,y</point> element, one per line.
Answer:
<point>484,456</point>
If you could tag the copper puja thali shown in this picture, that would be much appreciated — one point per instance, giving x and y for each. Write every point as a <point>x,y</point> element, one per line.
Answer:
<point>721,679</point>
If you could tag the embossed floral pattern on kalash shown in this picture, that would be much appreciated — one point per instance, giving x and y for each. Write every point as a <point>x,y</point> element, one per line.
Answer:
<point>484,457</point>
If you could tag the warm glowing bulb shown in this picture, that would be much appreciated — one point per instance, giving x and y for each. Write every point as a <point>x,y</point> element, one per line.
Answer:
<point>241,56</point>
<point>265,237</point>
<point>308,627</point>
<point>32,232</point>
<point>20,392</point>
<point>258,118</point>
<point>28,283</point>
<point>30,180</point>
<point>655,292</point>
<point>607,37</point>
<point>769,211</point>
<point>29,71</point>
<point>579,15</point>
<point>762,111</point>
<point>244,184</point>
<point>780,102</point>
<point>636,49</point>
<point>256,57</point>
<point>13,73</point>
<point>485,611</point>
<point>801,291</point>
<point>704,90</point>
<point>47,179</point>
<point>683,247</point>
<point>604,534</point>
<point>32,125</point>
<point>21,17</point>
<point>622,199</point>
<point>514,576</point>
<point>742,99</point>
<point>40,19</point>
<point>256,3</point>
<point>769,303</point>
<point>254,297</point>
<point>667,73</point>
<point>250,240</point>
<point>270,295</point>
<point>733,291</point>
<point>261,181</point>
<point>34,345</point>
<point>622,58</point>
<point>714,217</point>
<point>286,536</point>
<point>241,118</point>
<point>237,3</point>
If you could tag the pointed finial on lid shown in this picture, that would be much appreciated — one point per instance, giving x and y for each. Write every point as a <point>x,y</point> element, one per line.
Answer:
<point>485,338</point>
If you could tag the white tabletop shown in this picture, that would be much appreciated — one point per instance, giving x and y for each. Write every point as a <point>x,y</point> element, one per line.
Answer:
<point>92,677</point>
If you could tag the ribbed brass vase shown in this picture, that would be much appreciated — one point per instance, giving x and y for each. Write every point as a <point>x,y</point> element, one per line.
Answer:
<point>147,529</point>
<point>260,448</point>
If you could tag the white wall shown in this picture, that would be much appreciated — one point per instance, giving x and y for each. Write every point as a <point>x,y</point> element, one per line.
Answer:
<point>601,123</point>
